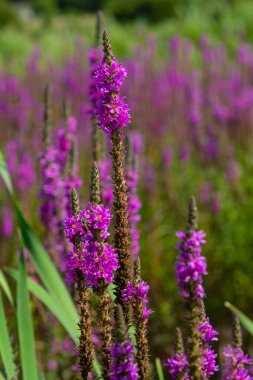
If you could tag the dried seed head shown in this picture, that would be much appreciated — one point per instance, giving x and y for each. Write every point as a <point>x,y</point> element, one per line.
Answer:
<point>237,332</point>
<point>137,271</point>
<point>107,47</point>
<point>74,203</point>
<point>120,325</point>
<point>193,215</point>
<point>179,346</point>
<point>95,185</point>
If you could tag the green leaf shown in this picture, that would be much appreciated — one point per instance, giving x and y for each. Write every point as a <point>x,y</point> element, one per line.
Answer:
<point>25,326</point>
<point>5,344</point>
<point>245,321</point>
<point>5,175</point>
<point>2,376</point>
<point>39,257</point>
<point>41,375</point>
<point>39,292</point>
<point>159,369</point>
<point>46,269</point>
<point>4,284</point>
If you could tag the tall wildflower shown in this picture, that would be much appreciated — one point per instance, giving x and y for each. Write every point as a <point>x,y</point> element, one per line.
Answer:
<point>137,294</point>
<point>57,181</point>
<point>103,162</point>
<point>74,232</point>
<point>113,115</point>
<point>95,56</point>
<point>236,364</point>
<point>95,261</point>
<point>178,364</point>
<point>190,269</point>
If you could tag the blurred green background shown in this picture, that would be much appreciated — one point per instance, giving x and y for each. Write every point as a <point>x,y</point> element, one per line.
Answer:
<point>50,22</point>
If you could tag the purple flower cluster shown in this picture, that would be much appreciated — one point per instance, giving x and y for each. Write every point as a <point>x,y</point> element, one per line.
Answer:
<point>123,366</point>
<point>100,260</point>
<point>178,367</point>
<point>138,295</point>
<point>234,365</point>
<point>20,165</point>
<point>94,57</point>
<point>95,258</point>
<point>112,113</point>
<point>191,266</point>
<point>56,187</point>
<point>134,205</point>
<point>208,334</point>
<point>209,366</point>
<point>208,355</point>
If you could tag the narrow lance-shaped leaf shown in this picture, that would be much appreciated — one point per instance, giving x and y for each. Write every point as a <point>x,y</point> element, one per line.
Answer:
<point>5,286</point>
<point>39,257</point>
<point>159,369</point>
<point>6,352</point>
<point>40,293</point>
<point>245,321</point>
<point>25,326</point>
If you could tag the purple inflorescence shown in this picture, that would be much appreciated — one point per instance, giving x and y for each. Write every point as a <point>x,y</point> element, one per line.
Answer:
<point>100,260</point>
<point>112,113</point>
<point>94,57</point>
<point>191,266</point>
<point>95,258</point>
<point>178,367</point>
<point>208,334</point>
<point>123,366</point>
<point>234,365</point>
<point>208,356</point>
<point>56,186</point>
<point>134,205</point>
<point>138,294</point>
<point>73,227</point>
<point>208,361</point>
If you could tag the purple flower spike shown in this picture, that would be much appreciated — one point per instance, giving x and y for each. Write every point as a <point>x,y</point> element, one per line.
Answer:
<point>191,266</point>
<point>209,366</point>
<point>138,294</point>
<point>177,366</point>
<point>123,366</point>
<point>235,362</point>
<point>208,334</point>
<point>99,260</point>
<point>112,113</point>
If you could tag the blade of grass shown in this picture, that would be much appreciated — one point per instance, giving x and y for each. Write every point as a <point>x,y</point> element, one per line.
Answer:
<point>5,175</point>
<point>25,325</point>
<point>245,321</point>
<point>39,257</point>
<point>159,369</point>
<point>5,286</point>
<point>5,344</point>
<point>39,292</point>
